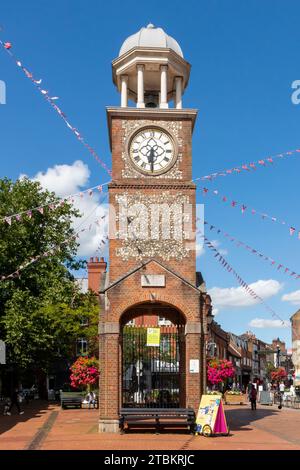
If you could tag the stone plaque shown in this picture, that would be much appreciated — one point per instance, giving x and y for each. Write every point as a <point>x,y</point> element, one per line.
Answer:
<point>153,280</point>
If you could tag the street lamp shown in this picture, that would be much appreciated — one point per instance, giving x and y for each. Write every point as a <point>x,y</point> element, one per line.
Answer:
<point>278,355</point>
<point>209,317</point>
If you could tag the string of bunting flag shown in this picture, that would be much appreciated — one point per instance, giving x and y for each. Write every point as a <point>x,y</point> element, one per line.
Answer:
<point>245,208</point>
<point>7,46</point>
<point>55,249</point>
<point>239,244</point>
<point>52,206</point>
<point>224,263</point>
<point>252,166</point>
<point>267,162</point>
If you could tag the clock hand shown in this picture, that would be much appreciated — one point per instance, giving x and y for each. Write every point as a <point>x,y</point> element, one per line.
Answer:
<point>151,159</point>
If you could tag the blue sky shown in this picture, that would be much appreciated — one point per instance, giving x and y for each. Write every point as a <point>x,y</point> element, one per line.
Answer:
<point>244,58</point>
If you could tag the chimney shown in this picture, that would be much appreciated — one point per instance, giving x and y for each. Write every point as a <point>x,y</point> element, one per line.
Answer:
<point>96,270</point>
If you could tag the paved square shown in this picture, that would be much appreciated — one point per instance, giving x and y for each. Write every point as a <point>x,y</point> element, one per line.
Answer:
<point>46,426</point>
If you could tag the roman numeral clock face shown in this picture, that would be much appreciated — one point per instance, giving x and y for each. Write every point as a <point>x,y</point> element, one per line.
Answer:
<point>152,151</point>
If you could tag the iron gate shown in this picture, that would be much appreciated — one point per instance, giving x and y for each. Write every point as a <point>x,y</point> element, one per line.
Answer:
<point>153,376</point>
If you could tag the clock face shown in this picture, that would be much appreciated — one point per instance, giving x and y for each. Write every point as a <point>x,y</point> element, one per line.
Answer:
<point>152,151</point>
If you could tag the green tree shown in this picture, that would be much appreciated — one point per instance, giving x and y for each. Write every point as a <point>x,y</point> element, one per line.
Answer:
<point>41,310</point>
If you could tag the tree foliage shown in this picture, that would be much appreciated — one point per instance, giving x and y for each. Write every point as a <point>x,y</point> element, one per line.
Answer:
<point>41,310</point>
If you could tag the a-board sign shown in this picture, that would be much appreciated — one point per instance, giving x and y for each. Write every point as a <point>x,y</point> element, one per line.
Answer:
<point>211,416</point>
<point>153,336</point>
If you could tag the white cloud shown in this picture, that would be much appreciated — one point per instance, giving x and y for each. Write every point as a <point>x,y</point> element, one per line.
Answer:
<point>70,179</point>
<point>292,297</point>
<point>266,323</point>
<point>64,179</point>
<point>238,296</point>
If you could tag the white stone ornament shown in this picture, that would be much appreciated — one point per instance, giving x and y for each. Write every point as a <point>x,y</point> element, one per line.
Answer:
<point>152,151</point>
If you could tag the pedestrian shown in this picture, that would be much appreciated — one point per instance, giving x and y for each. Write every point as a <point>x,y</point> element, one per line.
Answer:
<point>92,399</point>
<point>281,387</point>
<point>253,395</point>
<point>14,400</point>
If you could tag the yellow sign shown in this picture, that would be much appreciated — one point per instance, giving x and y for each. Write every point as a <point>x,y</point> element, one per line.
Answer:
<point>211,418</point>
<point>153,336</point>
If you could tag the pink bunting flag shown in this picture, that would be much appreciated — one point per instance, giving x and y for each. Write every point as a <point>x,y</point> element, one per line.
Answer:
<point>18,217</point>
<point>205,190</point>
<point>224,199</point>
<point>252,166</point>
<point>292,230</point>
<point>8,220</point>
<point>243,208</point>
<point>233,203</point>
<point>100,189</point>
<point>245,167</point>
<point>41,210</point>
<point>7,45</point>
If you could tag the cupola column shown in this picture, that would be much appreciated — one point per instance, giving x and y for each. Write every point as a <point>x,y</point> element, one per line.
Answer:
<point>178,92</point>
<point>124,93</point>
<point>140,86</point>
<point>163,86</point>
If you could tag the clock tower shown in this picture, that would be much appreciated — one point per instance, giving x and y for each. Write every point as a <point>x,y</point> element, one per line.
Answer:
<point>152,222</point>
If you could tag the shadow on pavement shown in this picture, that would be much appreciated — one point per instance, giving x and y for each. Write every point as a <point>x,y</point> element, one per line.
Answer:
<point>239,418</point>
<point>34,409</point>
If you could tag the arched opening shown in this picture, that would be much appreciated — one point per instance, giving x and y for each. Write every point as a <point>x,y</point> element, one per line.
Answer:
<point>153,356</point>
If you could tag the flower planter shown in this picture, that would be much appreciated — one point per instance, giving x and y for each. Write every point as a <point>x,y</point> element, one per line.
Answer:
<point>231,399</point>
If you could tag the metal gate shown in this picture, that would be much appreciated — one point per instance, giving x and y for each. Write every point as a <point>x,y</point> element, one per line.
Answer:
<point>153,376</point>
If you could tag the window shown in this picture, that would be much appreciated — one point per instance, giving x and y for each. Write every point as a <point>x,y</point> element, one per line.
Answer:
<point>81,347</point>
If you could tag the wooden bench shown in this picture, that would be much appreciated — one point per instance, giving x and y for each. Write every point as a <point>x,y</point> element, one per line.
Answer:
<point>159,418</point>
<point>74,401</point>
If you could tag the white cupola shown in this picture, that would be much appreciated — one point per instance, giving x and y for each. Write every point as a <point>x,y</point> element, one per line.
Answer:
<point>151,70</point>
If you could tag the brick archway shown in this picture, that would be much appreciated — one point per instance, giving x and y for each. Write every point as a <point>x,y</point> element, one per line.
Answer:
<point>138,299</point>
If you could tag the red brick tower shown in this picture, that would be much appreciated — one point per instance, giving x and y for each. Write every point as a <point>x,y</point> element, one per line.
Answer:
<point>152,257</point>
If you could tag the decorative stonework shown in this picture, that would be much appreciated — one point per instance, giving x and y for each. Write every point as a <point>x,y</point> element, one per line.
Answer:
<point>171,126</point>
<point>154,225</point>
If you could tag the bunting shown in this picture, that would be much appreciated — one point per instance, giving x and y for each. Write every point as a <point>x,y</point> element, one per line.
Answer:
<point>7,46</point>
<point>243,208</point>
<point>267,162</point>
<point>262,256</point>
<point>8,219</point>
<point>241,282</point>
<point>52,251</point>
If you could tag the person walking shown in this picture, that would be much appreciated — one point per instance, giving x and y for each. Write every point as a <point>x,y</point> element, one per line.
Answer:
<point>14,400</point>
<point>253,396</point>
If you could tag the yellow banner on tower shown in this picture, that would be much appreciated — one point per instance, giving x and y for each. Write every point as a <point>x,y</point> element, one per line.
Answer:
<point>153,336</point>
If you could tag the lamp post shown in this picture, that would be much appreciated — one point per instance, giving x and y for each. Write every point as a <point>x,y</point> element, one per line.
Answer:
<point>278,355</point>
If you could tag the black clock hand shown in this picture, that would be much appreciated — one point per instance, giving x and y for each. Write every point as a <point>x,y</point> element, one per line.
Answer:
<point>151,159</point>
